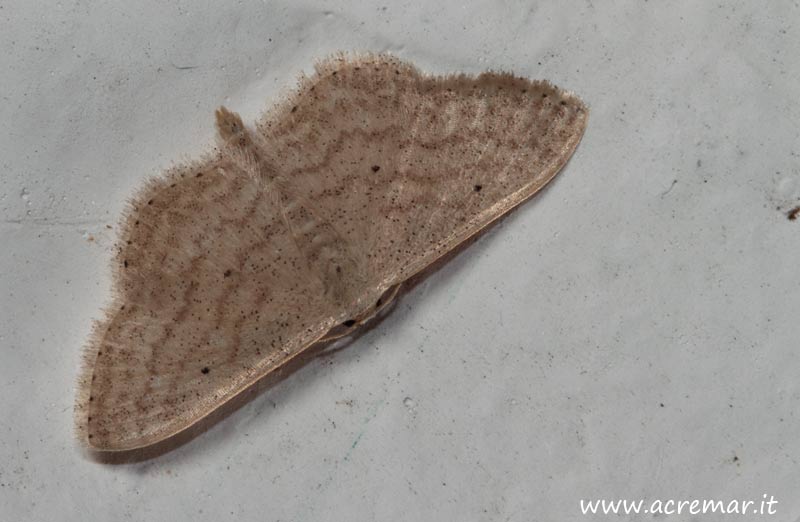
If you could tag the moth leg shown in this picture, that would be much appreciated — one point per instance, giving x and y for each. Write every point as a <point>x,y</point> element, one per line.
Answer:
<point>380,307</point>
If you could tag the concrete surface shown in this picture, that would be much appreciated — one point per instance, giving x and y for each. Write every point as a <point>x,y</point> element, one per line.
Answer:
<point>632,333</point>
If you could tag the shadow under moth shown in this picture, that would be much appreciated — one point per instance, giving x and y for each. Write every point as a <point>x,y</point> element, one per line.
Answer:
<point>302,227</point>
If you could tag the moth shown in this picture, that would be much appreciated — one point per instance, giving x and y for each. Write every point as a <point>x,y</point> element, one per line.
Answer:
<point>302,227</point>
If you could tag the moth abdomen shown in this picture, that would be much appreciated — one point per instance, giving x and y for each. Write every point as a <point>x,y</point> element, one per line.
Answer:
<point>231,127</point>
<point>239,145</point>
